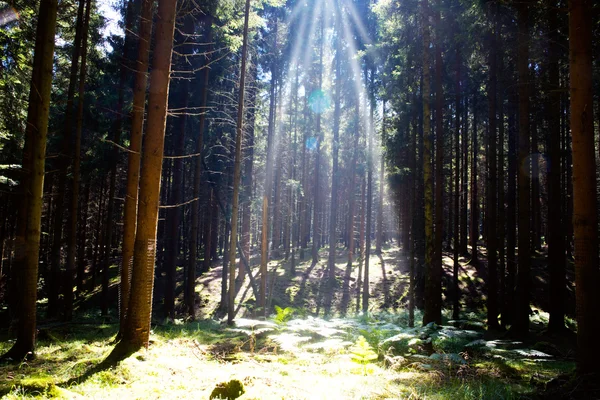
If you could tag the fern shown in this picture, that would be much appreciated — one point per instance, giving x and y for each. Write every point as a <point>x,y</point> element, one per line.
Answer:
<point>283,315</point>
<point>362,353</point>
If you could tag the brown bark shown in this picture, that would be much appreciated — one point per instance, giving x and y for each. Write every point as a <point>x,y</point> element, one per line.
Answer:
<point>237,170</point>
<point>556,228</point>
<point>72,233</point>
<point>32,183</point>
<point>492,281</point>
<point>137,331</point>
<point>134,155</point>
<point>585,217</point>
<point>193,242</point>
<point>430,314</point>
<point>521,320</point>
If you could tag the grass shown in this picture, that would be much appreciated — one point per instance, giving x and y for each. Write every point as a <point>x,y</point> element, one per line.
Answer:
<point>188,360</point>
<point>302,358</point>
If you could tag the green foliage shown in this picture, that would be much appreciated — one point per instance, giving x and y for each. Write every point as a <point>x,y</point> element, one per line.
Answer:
<point>362,353</point>
<point>283,315</point>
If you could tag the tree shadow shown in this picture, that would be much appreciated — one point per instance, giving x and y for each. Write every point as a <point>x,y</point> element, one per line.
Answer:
<point>344,303</point>
<point>385,283</point>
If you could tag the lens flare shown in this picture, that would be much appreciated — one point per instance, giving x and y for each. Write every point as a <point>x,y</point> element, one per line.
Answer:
<point>319,101</point>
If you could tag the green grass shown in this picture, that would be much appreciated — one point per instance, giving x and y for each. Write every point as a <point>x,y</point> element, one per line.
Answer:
<point>188,360</point>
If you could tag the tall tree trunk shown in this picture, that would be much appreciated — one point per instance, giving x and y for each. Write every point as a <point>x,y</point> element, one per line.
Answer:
<point>370,131</point>
<point>511,214</point>
<point>134,156</point>
<point>556,229</point>
<point>264,246</point>
<point>237,171</point>
<point>247,180</point>
<point>433,278</point>
<point>521,320</point>
<point>457,196</point>
<point>193,241</point>
<point>181,98</point>
<point>430,313</point>
<point>335,148</point>
<point>474,235</point>
<point>137,330</point>
<point>64,160</point>
<point>72,233</point>
<point>32,183</point>
<point>585,217</point>
<point>492,281</point>
<point>317,180</point>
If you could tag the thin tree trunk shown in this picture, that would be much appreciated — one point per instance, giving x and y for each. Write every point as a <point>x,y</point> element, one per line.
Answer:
<point>556,229</point>
<point>492,281</point>
<point>457,197</point>
<point>430,314</point>
<point>521,320</point>
<point>64,160</point>
<point>193,241</point>
<point>237,170</point>
<point>72,233</point>
<point>433,282</point>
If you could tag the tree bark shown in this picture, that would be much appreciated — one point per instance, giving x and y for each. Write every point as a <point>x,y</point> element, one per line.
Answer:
<point>585,212</point>
<point>137,332</point>
<point>237,171</point>
<point>32,183</point>
<point>134,156</point>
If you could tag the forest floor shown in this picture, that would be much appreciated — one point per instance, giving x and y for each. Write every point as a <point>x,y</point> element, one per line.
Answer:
<point>300,354</point>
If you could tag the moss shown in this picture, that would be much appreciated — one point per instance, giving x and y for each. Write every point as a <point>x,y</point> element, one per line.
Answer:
<point>228,390</point>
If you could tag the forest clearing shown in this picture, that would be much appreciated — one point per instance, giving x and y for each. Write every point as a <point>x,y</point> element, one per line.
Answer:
<point>298,355</point>
<point>359,199</point>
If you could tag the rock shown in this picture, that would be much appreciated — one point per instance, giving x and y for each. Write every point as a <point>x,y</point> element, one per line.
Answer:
<point>228,390</point>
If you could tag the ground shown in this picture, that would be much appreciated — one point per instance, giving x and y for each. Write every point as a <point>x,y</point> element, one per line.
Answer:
<point>311,349</point>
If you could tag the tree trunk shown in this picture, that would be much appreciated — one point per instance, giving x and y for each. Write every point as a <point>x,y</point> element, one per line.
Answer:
<point>72,233</point>
<point>335,149</point>
<point>492,281</point>
<point>181,98</point>
<point>193,241</point>
<point>237,171</point>
<point>134,156</point>
<point>585,217</point>
<point>521,320</point>
<point>32,183</point>
<point>137,331</point>
<point>556,229</point>
<point>64,160</point>
<point>433,282</point>
<point>430,313</point>
<point>457,175</point>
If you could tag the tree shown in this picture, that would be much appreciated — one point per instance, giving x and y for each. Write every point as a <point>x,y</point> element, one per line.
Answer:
<point>137,324</point>
<point>237,170</point>
<point>32,183</point>
<point>134,156</point>
<point>585,217</point>
<point>521,321</point>
<point>430,313</point>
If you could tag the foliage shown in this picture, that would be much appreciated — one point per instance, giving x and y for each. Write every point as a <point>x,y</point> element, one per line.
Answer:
<point>362,353</point>
<point>283,315</point>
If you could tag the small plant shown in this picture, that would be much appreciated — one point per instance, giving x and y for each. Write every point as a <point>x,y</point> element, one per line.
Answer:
<point>362,353</point>
<point>283,315</point>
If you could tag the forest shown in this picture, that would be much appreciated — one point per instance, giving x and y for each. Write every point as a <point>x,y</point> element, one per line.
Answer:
<point>299,199</point>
